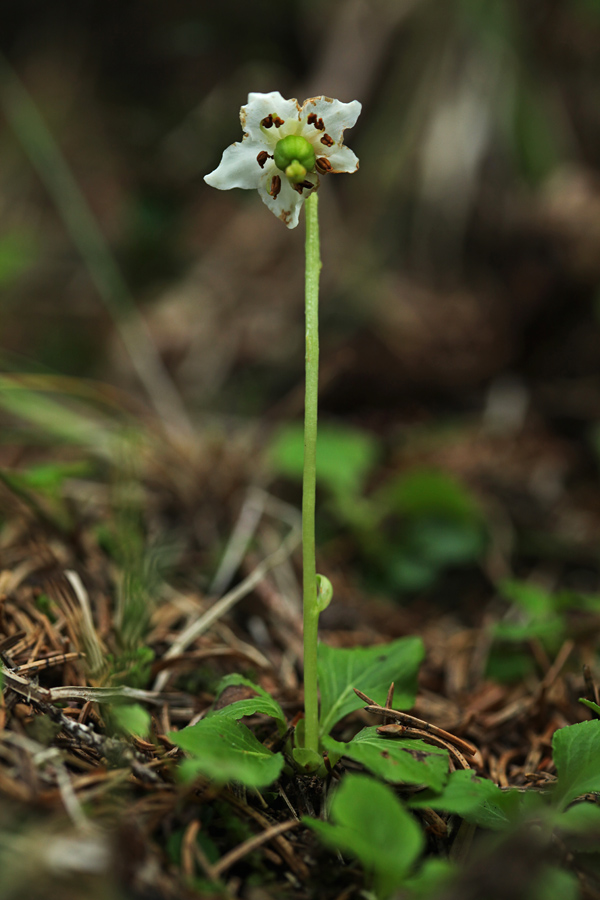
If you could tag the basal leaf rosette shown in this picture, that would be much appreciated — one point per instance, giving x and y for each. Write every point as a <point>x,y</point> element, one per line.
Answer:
<point>285,148</point>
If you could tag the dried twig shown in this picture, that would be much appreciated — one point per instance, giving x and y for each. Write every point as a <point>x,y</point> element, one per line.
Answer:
<point>397,730</point>
<point>412,721</point>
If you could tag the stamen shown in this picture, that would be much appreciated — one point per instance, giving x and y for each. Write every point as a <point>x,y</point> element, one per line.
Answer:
<point>323,165</point>
<point>275,186</point>
<point>262,157</point>
<point>271,120</point>
<point>303,184</point>
<point>318,123</point>
<point>328,141</point>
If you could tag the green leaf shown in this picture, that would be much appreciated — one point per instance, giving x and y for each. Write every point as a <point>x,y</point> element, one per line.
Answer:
<point>48,477</point>
<point>132,719</point>
<point>538,614</point>
<point>345,456</point>
<point>431,877</point>
<point>404,761</point>
<point>579,827</point>
<point>263,703</point>
<point>428,492</point>
<point>549,630</point>
<point>576,751</point>
<point>406,572</point>
<point>582,821</point>
<point>590,704</point>
<point>475,799</point>
<point>368,821</point>
<point>371,670</point>
<point>446,542</point>
<point>225,750</point>
<point>553,883</point>
<point>532,598</point>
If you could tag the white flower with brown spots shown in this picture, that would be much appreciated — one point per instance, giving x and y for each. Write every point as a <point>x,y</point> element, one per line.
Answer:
<point>285,148</point>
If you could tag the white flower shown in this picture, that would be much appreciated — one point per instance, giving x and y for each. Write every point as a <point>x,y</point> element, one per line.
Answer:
<point>285,148</point>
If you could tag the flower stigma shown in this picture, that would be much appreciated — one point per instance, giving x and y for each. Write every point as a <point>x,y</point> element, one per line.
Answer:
<point>295,172</point>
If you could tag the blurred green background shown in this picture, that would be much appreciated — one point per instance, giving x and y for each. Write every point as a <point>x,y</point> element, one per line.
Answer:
<point>460,327</point>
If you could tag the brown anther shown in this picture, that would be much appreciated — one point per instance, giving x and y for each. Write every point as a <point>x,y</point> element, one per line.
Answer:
<point>267,122</point>
<point>323,165</point>
<point>303,184</point>
<point>328,141</point>
<point>275,186</point>
<point>277,122</point>
<point>318,123</point>
<point>262,157</point>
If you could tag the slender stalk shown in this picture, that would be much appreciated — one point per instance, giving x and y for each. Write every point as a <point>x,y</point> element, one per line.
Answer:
<point>311,613</point>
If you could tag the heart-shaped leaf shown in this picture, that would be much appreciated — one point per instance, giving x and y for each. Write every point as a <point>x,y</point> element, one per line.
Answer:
<point>371,669</point>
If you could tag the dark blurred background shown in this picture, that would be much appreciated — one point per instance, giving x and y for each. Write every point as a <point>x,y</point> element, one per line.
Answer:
<point>461,264</point>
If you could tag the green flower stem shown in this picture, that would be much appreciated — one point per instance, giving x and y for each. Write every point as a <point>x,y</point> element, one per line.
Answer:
<point>311,612</point>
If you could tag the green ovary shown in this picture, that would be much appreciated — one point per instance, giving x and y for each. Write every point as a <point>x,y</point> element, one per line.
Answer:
<point>294,156</point>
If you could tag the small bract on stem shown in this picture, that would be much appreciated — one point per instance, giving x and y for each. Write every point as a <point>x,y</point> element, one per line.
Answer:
<point>285,148</point>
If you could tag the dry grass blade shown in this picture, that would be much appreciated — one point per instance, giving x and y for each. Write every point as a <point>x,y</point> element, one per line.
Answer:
<point>227,602</point>
<point>45,156</point>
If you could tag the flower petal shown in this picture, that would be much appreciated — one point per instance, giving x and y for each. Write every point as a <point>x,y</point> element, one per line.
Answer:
<point>239,167</point>
<point>335,115</point>
<point>342,159</point>
<point>287,202</point>
<point>259,108</point>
